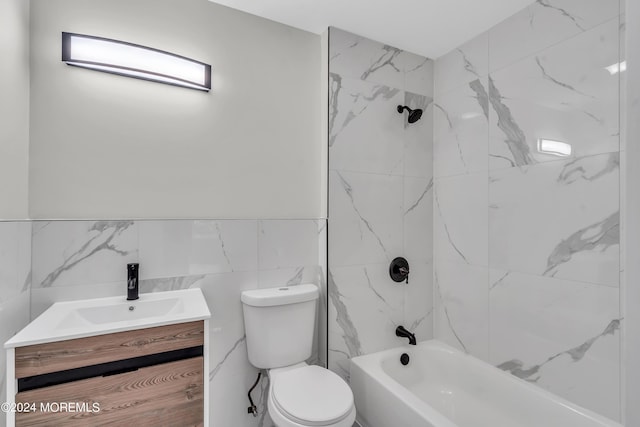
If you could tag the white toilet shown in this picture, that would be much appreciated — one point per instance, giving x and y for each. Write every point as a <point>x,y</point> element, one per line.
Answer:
<point>279,323</point>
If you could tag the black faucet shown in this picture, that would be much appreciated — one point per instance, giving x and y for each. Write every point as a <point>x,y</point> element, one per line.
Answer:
<point>402,332</point>
<point>132,281</point>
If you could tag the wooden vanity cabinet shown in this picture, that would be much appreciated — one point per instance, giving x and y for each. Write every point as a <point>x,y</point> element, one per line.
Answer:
<point>147,377</point>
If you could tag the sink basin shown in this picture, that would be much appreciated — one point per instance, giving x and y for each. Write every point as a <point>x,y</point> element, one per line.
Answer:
<point>124,311</point>
<point>78,319</point>
<point>129,311</point>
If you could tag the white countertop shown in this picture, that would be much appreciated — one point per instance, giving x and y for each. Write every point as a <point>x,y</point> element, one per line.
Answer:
<point>83,318</point>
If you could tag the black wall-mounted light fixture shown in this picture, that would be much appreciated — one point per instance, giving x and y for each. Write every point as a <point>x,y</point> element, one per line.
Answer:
<point>132,60</point>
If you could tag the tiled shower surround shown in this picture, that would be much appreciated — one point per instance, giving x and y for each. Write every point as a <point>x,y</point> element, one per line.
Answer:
<point>527,254</point>
<point>526,244</point>
<point>380,196</point>
<point>87,259</point>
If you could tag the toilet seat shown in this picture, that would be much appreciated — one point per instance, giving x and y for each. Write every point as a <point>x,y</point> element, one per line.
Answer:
<point>311,396</point>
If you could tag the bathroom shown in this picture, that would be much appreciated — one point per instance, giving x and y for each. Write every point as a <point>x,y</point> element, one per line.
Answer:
<point>505,185</point>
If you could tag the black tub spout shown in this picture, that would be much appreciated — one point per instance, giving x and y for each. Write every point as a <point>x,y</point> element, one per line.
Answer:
<point>402,332</point>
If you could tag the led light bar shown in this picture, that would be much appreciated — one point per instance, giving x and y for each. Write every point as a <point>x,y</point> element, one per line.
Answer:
<point>132,60</point>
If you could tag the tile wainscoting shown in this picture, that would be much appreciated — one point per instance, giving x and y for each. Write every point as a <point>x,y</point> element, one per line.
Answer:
<point>48,261</point>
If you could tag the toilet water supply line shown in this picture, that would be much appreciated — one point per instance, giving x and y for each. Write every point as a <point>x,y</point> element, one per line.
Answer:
<point>253,409</point>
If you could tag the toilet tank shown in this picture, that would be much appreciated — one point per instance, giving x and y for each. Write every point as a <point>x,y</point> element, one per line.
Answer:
<point>279,324</point>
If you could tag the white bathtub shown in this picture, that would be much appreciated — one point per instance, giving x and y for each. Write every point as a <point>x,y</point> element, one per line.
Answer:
<point>443,387</point>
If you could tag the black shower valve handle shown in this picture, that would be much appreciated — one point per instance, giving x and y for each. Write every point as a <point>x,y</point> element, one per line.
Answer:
<point>405,272</point>
<point>399,270</point>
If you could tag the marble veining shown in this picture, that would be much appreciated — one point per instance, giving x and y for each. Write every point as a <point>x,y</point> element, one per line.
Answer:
<point>222,246</point>
<point>461,126</point>
<point>364,127</point>
<point>387,58</point>
<point>416,323</point>
<point>543,24</point>
<point>217,368</point>
<point>581,243</point>
<point>500,280</point>
<point>600,236</point>
<point>516,367</point>
<point>563,12</point>
<point>456,137</point>
<point>515,138</point>
<point>361,102</point>
<point>418,246</point>
<point>349,191</point>
<point>421,64</point>
<point>292,277</point>
<point>366,306</point>
<point>579,169</point>
<point>335,86</point>
<point>426,191</point>
<point>462,65</point>
<point>446,228</point>
<point>418,74</point>
<point>555,81</point>
<point>445,310</point>
<point>481,96</point>
<point>26,285</point>
<point>446,114</point>
<point>357,57</point>
<point>343,319</point>
<point>468,65</point>
<point>549,97</point>
<point>374,291</point>
<point>102,240</point>
<point>297,278</point>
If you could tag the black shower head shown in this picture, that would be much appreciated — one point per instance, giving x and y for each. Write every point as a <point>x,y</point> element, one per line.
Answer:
<point>414,115</point>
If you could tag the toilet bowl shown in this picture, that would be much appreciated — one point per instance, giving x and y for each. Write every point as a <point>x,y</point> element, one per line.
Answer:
<point>305,396</point>
<point>279,325</point>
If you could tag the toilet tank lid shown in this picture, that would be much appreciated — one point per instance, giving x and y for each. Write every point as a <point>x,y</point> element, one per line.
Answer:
<point>280,296</point>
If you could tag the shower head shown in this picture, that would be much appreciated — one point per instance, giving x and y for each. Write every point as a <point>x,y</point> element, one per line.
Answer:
<point>414,115</point>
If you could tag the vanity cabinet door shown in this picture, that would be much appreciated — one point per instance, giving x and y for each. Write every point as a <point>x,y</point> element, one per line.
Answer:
<point>170,394</point>
<point>50,357</point>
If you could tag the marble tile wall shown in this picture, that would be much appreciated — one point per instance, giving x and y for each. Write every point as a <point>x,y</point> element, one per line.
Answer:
<point>380,196</point>
<point>630,230</point>
<point>86,259</point>
<point>15,282</point>
<point>527,244</point>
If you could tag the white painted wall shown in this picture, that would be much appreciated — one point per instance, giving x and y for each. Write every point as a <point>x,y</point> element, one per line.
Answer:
<point>14,108</point>
<point>105,146</point>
